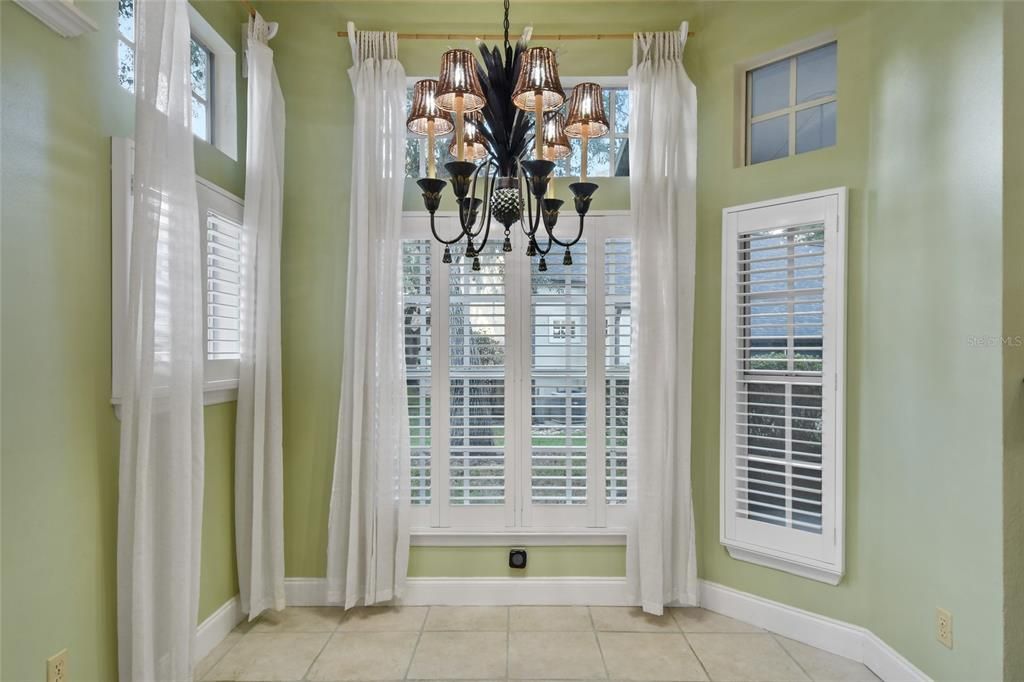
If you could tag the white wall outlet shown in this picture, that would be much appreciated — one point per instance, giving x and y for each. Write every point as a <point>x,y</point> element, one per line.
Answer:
<point>944,627</point>
<point>57,667</point>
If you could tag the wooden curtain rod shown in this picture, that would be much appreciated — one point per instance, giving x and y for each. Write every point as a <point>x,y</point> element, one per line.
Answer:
<point>248,7</point>
<point>498,36</point>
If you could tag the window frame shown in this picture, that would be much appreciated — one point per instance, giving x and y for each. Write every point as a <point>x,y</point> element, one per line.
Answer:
<point>743,95</point>
<point>596,521</point>
<point>819,557</point>
<point>222,103</point>
<point>220,376</point>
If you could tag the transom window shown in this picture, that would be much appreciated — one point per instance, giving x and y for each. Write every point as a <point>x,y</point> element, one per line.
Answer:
<point>515,420</point>
<point>607,156</point>
<point>201,67</point>
<point>791,105</point>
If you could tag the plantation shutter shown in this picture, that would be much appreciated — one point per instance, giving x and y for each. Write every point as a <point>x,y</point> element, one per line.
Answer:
<point>416,283</point>
<point>782,427</point>
<point>618,255</point>
<point>223,287</point>
<point>558,381</point>
<point>476,371</point>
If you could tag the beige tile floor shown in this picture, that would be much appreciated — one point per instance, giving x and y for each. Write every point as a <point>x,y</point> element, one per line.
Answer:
<point>516,643</point>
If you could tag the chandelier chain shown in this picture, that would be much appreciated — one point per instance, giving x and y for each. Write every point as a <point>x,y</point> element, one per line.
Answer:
<point>507,43</point>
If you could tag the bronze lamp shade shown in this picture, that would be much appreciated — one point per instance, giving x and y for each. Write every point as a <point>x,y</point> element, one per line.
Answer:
<point>458,78</point>
<point>424,110</point>
<point>556,144</point>
<point>472,138</point>
<point>586,117</point>
<point>538,77</point>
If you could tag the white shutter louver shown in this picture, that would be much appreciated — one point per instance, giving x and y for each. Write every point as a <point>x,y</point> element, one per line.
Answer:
<point>476,321</point>
<point>618,255</point>
<point>223,287</point>
<point>558,381</point>
<point>416,284</point>
<point>781,436</point>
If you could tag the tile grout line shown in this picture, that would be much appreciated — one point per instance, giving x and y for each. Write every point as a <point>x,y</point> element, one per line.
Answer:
<point>337,626</point>
<point>775,638</point>
<point>600,649</point>
<point>693,651</point>
<point>416,646</point>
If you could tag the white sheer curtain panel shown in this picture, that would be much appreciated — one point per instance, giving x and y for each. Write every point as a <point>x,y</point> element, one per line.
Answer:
<point>160,499</point>
<point>259,482</point>
<point>368,531</point>
<point>663,172</point>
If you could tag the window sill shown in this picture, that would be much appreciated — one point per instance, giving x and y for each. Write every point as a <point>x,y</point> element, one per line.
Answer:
<point>450,537</point>
<point>804,569</point>
<point>215,392</point>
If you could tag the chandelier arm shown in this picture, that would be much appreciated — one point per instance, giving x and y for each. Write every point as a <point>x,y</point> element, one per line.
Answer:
<point>544,251</point>
<point>446,242</point>
<point>465,208</point>
<point>556,240</point>
<point>486,195</point>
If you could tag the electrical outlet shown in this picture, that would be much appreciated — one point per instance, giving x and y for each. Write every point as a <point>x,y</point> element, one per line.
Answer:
<point>944,627</point>
<point>57,667</point>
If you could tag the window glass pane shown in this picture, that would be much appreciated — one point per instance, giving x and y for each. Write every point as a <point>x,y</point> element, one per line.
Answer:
<point>617,330</point>
<point>126,66</point>
<point>476,318</point>
<point>412,156</point>
<point>816,127</point>
<point>621,156</point>
<point>416,282</point>
<point>199,120</point>
<point>558,402</point>
<point>200,69</point>
<point>621,111</point>
<point>769,139</point>
<point>126,19</point>
<point>769,88</point>
<point>598,157</point>
<point>816,73</point>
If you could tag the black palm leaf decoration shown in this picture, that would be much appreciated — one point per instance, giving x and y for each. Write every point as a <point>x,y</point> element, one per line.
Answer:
<point>507,129</point>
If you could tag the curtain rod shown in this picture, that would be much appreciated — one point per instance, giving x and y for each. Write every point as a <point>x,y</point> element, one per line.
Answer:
<point>498,36</point>
<point>248,7</point>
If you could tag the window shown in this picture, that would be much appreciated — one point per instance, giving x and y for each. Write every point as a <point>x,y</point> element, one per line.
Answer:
<point>202,107</point>
<point>782,371</point>
<point>791,105</point>
<point>607,156</point>
<point>515,422</point>
<point>220,221</point>
<point>213,76</point>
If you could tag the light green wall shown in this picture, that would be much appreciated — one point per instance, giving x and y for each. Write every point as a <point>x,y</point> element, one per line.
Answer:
<point>1013,351</point>
<point>919,101</point>
<point>312,64</point>
<point>492,562</point>
<point>60,105</point>
<point>919,147</point>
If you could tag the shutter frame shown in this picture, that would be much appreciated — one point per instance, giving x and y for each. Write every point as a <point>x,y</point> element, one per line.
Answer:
<point>815,555</point>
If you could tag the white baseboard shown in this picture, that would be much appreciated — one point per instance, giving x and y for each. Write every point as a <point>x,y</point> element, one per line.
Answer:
<point>216,627</point>
<point>832,635</point>
<point>484,592</point>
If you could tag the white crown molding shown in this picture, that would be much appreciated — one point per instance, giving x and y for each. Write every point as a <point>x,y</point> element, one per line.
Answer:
<point>61,16</point>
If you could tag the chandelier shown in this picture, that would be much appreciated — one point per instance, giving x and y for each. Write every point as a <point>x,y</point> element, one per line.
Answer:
<point>488,105</point>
